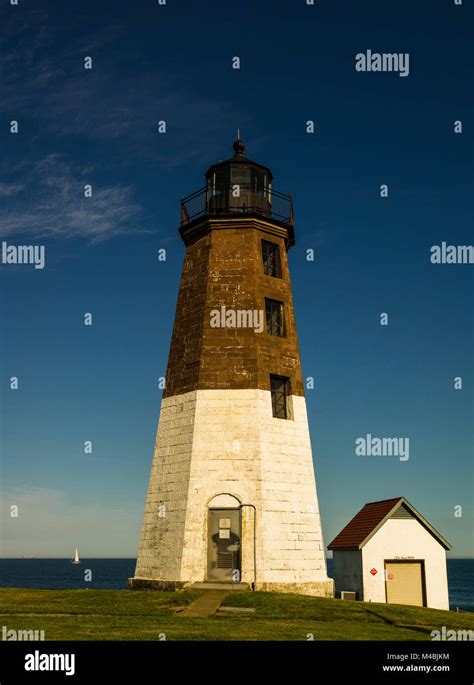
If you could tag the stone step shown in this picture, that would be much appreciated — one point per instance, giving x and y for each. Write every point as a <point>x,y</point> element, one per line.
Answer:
<point>236,610</point>
<point>229,587</point>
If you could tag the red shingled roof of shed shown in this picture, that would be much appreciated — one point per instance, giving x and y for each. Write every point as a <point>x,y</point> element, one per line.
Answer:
<point>371,517</point>
<point>363,523</point>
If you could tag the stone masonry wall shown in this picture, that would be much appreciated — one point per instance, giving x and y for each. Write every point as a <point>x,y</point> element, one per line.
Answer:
<point>224,268</point>
<point>227,441</point>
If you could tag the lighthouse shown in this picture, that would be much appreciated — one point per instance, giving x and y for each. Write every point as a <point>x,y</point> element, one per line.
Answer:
<point>232,492</point>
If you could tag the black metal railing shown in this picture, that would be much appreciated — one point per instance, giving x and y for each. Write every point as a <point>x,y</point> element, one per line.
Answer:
<point>237,199</point>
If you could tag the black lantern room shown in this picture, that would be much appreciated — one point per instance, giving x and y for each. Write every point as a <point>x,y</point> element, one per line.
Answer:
<point>238,186</point>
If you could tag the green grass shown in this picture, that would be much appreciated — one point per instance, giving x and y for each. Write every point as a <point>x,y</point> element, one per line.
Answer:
<point>126,615</point>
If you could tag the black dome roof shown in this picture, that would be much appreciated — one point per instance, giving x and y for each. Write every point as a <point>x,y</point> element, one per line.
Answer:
<point>237,160</point>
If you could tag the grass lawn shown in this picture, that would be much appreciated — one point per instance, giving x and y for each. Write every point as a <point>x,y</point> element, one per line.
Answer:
<point>126,615</point>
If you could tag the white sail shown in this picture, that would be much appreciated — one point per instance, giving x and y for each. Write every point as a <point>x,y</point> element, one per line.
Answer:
<point>76,559</point>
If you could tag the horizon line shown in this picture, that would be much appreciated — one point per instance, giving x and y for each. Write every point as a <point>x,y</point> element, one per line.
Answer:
<point>30,558</point>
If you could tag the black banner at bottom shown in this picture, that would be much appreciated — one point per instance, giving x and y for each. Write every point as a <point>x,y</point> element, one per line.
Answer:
<point>127,662</point>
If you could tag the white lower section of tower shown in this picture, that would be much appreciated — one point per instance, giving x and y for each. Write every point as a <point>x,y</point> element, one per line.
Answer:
<point>220,449</point>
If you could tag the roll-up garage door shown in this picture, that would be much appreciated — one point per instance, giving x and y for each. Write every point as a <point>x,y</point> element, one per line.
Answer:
<point>404,582</point>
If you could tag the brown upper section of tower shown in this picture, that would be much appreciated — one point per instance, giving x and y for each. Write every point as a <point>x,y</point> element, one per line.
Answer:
<point>237,231</point>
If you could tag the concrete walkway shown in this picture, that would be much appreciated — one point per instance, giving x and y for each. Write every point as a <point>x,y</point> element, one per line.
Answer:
<point>205,605</point>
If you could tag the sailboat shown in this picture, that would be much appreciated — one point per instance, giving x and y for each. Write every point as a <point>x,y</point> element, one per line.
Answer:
<point>76,559</point>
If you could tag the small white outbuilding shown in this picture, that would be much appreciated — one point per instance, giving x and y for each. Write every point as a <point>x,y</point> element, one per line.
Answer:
<point>390,553</point>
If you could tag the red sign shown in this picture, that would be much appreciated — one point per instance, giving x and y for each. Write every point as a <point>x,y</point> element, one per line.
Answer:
<point>390,576</point>
<point>373,571</point>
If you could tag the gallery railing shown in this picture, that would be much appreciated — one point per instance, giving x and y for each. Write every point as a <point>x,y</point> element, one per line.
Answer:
<point>237,199</point>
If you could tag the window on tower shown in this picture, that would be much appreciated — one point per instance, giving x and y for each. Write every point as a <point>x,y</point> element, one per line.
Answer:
<point>274,317</point>
<point>280,392</point>
<point>271,259</point>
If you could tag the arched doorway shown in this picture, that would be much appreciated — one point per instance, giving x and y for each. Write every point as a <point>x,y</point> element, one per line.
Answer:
<point>224,528</point>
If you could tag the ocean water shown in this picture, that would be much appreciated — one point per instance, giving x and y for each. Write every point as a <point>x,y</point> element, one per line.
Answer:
<point>61,574</point>
<point>112,574</point>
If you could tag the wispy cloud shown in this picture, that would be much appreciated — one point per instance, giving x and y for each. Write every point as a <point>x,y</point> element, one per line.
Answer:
<point>7,189</point>
<point>55,206</point>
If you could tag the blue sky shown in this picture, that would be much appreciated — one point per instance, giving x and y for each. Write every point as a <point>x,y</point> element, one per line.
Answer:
<point>174,63</point>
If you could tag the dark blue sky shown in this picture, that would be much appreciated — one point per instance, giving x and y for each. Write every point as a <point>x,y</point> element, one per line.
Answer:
<point>174,63</point>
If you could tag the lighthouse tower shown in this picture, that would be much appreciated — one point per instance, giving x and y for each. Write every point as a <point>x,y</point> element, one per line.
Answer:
<point>232,492</point>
